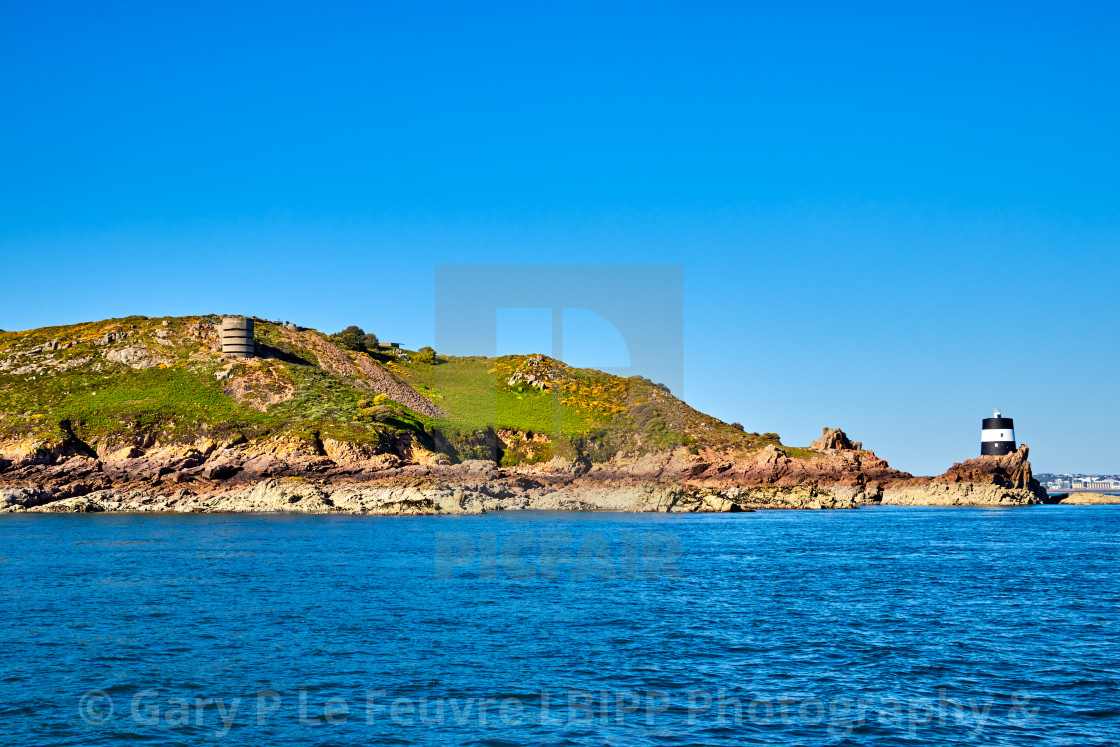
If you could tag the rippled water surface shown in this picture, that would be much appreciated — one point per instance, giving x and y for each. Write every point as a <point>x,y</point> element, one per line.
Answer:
<point>878,626</point>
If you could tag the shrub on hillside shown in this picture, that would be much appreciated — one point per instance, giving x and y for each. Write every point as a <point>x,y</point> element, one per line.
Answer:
<point>426,355</point>
<point>378,413</point>
<point>738,426</point>
<point>351,338</point>
<point>356,338</point>
<point>381,413</point>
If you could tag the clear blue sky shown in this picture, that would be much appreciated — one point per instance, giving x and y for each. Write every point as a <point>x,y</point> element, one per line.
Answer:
<point>891,216</point>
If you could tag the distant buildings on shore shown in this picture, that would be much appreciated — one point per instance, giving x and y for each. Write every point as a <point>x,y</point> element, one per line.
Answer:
<point>1079,482</point>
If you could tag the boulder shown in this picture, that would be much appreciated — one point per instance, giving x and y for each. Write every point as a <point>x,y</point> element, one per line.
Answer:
<point>83,505</point>
<point>14,499</point>
<point>219,470</point>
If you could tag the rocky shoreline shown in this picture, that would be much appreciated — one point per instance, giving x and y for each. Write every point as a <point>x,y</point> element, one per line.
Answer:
<point>1086,499</point>
<point>334,477</point>
<point>141,414</point>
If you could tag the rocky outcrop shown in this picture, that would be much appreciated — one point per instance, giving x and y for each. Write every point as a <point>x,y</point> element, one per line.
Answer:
<point>834,439</point>
<point>295,474</point>
<point>983,481</point>
<point>1089,499</point>
<point>256,383</point>
<point>1010,471</point>
<point>853,475</point>
<point>298,496</point>
<point>21,498</point>
<point>957,494</point>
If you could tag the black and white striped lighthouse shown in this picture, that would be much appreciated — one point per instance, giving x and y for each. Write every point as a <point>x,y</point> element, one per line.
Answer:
<point>998,435</point>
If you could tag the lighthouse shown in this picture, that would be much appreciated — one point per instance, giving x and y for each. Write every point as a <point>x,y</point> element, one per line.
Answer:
<point>998,435</point>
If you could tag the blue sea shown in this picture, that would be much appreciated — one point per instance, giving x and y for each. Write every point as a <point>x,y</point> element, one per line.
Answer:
<point>883,626</point>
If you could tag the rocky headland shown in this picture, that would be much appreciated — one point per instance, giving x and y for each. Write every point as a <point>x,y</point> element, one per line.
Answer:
<point>148,415</point>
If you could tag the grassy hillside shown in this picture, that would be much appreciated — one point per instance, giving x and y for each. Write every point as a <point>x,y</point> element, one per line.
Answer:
<point>140,381</point>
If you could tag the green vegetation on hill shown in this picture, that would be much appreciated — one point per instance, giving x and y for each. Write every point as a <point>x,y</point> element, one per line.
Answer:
<point>140,380</point>
<point>471,391</point>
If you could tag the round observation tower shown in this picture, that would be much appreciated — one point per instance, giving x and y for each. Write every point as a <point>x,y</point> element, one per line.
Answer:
<point>237,336</point>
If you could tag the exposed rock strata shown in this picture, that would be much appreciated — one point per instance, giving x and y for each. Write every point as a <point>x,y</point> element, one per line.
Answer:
<point>288,474</point>
<point>983,481</point>
<point>957,494</point>
<point>293,495</point>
